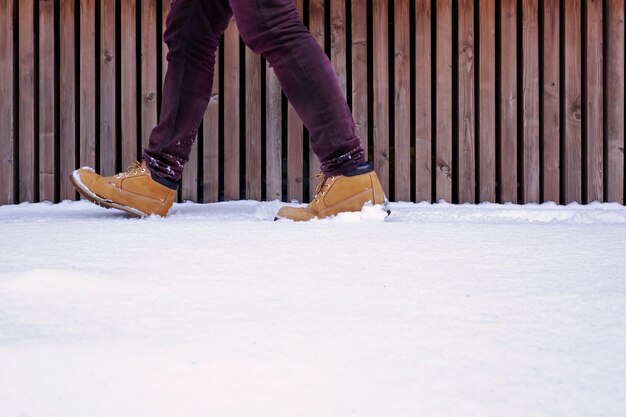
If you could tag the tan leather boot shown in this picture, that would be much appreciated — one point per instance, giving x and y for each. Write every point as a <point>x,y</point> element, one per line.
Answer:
<point>337,194</point>
<point>134,191</point>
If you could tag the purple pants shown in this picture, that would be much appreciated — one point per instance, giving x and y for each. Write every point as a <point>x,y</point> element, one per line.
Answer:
<point>273,29</point>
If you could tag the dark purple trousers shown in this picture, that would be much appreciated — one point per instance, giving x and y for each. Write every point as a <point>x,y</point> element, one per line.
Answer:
<point>273,29</point>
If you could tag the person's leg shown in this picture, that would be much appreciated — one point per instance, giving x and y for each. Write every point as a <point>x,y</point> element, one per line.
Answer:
<point>192,35</point>
<point>273,28</point>
<point>193,31</point>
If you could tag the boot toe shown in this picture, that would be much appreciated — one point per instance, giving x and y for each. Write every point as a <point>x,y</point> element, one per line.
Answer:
<point>295,213</point>
<point>86,176</point>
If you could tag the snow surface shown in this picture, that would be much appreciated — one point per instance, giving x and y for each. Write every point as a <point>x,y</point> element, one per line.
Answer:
<point>441,310</point>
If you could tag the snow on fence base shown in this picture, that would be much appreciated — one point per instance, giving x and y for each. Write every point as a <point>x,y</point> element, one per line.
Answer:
<point>443,310</point>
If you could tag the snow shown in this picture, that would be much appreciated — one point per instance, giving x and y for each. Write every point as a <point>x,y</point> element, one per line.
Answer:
<point>439,310</point>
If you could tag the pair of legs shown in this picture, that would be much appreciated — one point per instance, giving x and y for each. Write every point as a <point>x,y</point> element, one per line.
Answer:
<point>273,29</point>
<point>269,27</point>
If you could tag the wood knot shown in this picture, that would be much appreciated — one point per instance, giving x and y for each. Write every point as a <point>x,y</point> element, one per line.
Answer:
<point>621,149</point>
<point>446,170</point>
<point>578,115</point>
<point>150,96</point>
<point>108,57</point>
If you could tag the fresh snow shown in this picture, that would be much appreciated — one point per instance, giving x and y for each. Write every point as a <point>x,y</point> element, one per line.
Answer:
<point>439,310</point>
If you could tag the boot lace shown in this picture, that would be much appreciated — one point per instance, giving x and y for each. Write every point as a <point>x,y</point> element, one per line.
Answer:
<point>134,169</point>
<point>322,186</point>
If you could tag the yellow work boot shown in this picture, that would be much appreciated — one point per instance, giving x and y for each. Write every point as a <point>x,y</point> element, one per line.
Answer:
<point>338,194</point>
<point>133,191</point>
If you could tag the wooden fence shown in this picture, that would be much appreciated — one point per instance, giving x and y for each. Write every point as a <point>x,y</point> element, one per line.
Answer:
<point>464,100</point>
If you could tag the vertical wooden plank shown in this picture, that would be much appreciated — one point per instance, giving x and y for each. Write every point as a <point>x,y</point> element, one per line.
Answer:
<point>593,112</point>
<point>467,113</point>
<point>148,69</point>
<point>273,123</point>
<point>487,102</point>
<point>402,100</point>
<point>443,116</point>
<point>7,139</point>
<point>316,27</point>
<point>211,172</point>
<point>551,102</point>
<point>508,101</point>
<point>530,45</point>
<point>128,56</point>
<point>295,153</point>
<point>26,80</point>
<point>615,100</point>
<point>253,125</point>
<point>108,82</point>
<point>190,176</point>
<point>231,113</point>
<point>338,41</point>
<point>423,102</point>
<point>165,12</point>
<point>359,69</point>
<point>189,180</point>
<point>46,101</point>
<point>381,91</point>
<point>67,102</point>
<point>87,107</point>
<point>573,110</point>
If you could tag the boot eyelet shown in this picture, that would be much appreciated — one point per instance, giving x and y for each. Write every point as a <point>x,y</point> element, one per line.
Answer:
<point>143,170</point>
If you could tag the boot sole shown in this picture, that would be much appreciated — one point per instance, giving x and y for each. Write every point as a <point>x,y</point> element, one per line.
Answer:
<point>103,202</point>
<point>385,208</point>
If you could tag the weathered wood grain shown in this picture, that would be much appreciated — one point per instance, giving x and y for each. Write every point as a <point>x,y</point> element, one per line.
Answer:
<point>273,150</point>
<point>551,102</point>
<point>67,102</point>
<point>530,93</point>
<point>128,56</point>
<point>253,125</point>
<point>578,107</point>
<point>467,112</point>
<point>317,29</point>
<point>594,131</point>
<point>189,181</point>
<point>443,107</point>
<point>423,102</point>
<point>381,91</point>
<point>486,134</point>
<point>338,41</point>
<point>573,104</point>
<point>508,102</point>
<point>26,106</point>
<point>295,147</point>
<point>148,69</point>
<point>211,152</point>
<point>47,128</point>
<point>231,113</point>
<point>108,82</point>
<point>7,138</point>
<point>402,101</point>
<point>87,106</point>
<point>359,70</point>
<point>615,96</point>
